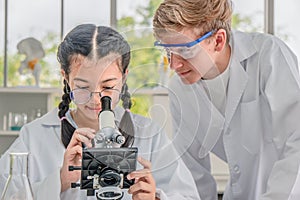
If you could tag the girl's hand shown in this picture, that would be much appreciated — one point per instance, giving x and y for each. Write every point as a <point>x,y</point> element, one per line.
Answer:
<point>144,185</point>
<point>73,156</point>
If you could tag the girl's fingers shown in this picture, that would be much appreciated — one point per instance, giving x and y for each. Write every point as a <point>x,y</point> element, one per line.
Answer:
<point>84,139</point>
<point>86,132</point>
<point>84,135</point>
<point>75,150</point>
<point>140,187</point>
<point>143,172</point>
<point>146,164</point>
<point>139,174</point>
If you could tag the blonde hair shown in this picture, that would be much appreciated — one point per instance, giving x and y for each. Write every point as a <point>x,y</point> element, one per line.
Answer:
<point>201,15</point>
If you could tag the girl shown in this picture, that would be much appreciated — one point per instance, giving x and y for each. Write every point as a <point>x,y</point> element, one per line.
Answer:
<point>94,63</point>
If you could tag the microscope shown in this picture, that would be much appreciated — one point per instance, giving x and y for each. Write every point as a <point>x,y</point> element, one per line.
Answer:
<point>106,165</point>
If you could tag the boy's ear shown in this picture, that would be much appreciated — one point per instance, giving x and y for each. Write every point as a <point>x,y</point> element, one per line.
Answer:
<point>220,40</point>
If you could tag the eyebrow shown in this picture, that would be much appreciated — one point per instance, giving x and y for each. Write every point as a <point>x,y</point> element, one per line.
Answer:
<point>110,79</point>
<point>80,79</point>
<point>86,81</point>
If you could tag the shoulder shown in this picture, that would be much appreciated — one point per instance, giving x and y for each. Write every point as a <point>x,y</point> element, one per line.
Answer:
<point>40,133</point>
<point>49,119</point>
<point>262,42</point>
<point>264,51</point>
<point>40,125</point>
<point>239,36</point>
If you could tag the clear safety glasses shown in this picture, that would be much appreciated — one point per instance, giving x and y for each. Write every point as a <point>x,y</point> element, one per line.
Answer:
<point>82,96</point>
<point>185,50</point>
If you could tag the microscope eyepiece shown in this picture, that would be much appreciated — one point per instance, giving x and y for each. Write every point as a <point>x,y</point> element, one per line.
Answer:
<point>105,103</point>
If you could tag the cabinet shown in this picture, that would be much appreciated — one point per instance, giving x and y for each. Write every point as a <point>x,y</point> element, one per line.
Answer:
<point>26,101</point>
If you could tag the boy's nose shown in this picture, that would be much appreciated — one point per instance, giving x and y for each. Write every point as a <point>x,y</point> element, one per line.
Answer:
<point>175,61</point>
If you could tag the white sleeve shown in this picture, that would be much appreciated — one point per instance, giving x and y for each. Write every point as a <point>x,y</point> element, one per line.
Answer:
<point>48,188</point>
<point>282,91</point>
<point>173,179</point>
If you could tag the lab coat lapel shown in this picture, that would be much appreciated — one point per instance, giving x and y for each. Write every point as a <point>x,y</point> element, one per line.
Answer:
<point>214,122</point>
<point>238,78</point>
<point>237,84</point>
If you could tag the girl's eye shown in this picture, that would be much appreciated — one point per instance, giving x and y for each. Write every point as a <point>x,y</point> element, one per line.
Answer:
<point>82,87</point>
<point>108,87</point>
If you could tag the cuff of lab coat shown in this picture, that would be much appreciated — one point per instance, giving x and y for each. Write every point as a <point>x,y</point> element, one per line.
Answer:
<point>49,188</point>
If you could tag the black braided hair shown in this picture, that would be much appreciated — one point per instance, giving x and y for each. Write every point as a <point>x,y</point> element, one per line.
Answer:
<point>126,124</point>
<point>67,128</point>
<point>125,96</point>
<point>92,42</point>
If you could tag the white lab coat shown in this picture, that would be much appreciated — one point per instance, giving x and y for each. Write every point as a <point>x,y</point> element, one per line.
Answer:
<point>259,136</point>
<point>43,140</point>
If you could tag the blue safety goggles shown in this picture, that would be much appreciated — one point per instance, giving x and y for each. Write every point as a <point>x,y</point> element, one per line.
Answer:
<point>185,50</point>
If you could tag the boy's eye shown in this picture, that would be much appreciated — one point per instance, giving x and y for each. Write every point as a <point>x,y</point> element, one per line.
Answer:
<point>182,50</point>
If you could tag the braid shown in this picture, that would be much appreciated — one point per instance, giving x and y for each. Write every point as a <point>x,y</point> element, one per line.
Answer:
<point>67,129</point>
<point>126,126</point>
<point>126,97</point>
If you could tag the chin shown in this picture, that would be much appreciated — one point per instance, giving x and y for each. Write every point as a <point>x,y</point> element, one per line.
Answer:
<point>189,81</point>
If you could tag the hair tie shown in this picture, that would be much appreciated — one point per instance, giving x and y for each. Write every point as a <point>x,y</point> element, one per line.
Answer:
<point>62,118</point>
<point>128,110</point>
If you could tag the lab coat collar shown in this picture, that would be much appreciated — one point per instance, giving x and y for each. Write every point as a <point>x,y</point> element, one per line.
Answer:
<point>242,46</point>
<point>51,118</point>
